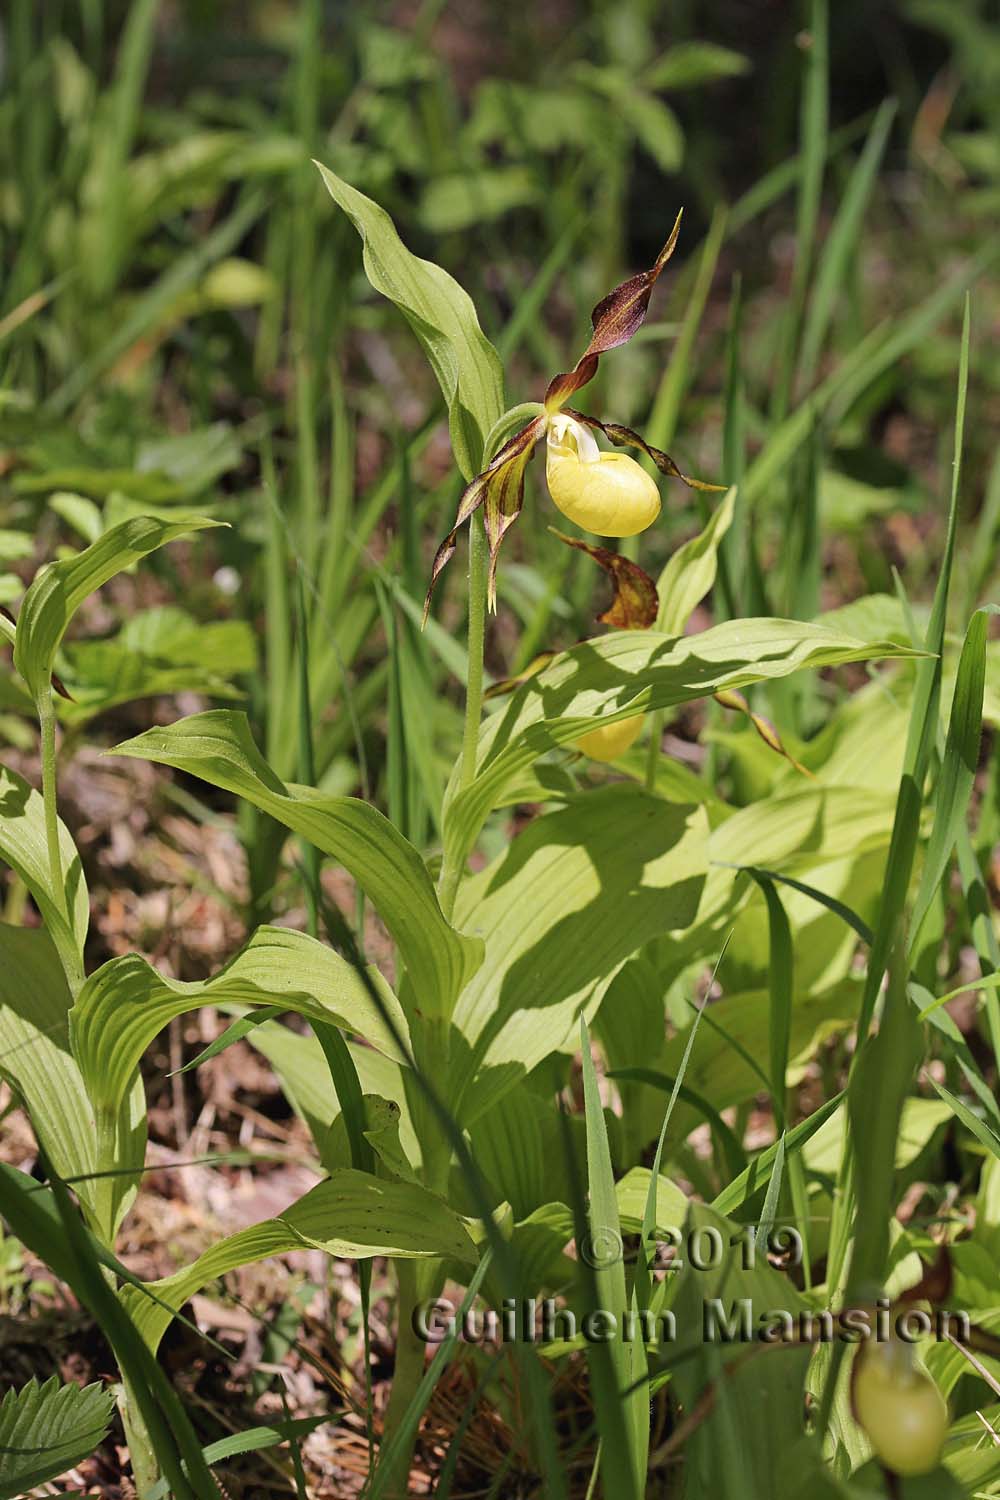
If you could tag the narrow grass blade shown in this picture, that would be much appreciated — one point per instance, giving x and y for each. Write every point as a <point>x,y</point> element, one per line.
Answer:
<point>814,122</point>
<point>922,729</point>
<point>839,908</point>
<point>979,1128</point>
<point>772,1197</point>
<point>623,1420</point>
<point>958,767</point>
<point>750,1181</point>
<point>841,243</point>
<point>780,983</point>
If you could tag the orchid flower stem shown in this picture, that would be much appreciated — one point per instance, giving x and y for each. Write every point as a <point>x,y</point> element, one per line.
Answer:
<point>511,421</point>
<point>478,561</point>
<point>451,871</point>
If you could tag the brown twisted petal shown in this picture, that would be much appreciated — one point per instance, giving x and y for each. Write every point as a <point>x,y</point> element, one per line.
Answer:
<point>730,698</point>
<point>635,603</point>
<point>500,490</point>
<point>615,319</point>
<point>624,437</point>
<point>508,684</point>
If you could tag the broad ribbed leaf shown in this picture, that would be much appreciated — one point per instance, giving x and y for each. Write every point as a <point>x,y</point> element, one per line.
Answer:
<point>23,848</point>
<point>632,1192</point>
<point>690,572</point>
<point>60,588</point>
<point>831,837</point>
<point>35,1059</point>
<point>123,1006</point>
<point>441,315</point>
<point>350,1214</point>
<point>575,895</point>
<point>46,1429</point>
<point>627,673</point>
<point>218,747</point>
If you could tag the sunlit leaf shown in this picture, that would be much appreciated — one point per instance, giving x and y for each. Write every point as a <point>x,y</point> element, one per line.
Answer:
<point>574,896</point>
<point>23,847</point>
<point>441,315</point>
<point>126,1003</point>
<point>626,673</point>
<point>218,747</point>
<point>61,587</point>
<point>350,1215</point>
<point>35,1059</point>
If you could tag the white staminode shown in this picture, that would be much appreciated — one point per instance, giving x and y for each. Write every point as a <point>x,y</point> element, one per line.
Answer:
<point>567,432</point>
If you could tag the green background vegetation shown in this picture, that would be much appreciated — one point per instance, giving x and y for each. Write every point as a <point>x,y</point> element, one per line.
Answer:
<point>191,353</point>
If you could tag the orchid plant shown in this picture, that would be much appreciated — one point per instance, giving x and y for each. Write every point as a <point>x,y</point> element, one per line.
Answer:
<point>436,1095</point>
<point>608,494</point>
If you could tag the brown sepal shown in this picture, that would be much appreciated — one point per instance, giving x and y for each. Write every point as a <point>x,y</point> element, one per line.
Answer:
<point>500,490</point>
<point>730,698</point>
<point>615,319</point>
<point>934,1285</point>
<point>624,437</point>
<point>508,684</point>
<point>635,603</point>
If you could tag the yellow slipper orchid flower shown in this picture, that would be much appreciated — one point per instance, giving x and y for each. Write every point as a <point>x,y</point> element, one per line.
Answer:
<point>605,493</point>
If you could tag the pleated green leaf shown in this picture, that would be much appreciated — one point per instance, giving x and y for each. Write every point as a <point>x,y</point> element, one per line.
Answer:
<point>23,848</point>
<point>576,894</point>
<point>441,315</point>
<point>35,1059</point>
<point>59,589</point>
<point>218,747</point>
<point>123,1006</point>
<point>690,572</point>
<point>629,672</point>
<point>350,1214</point>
